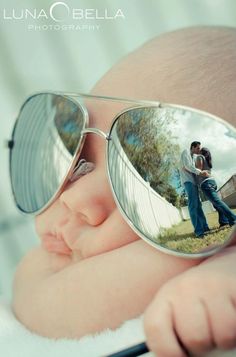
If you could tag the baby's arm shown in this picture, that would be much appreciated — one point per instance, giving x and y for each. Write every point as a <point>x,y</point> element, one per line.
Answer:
<point>197,308</point>
<point>56,297</point>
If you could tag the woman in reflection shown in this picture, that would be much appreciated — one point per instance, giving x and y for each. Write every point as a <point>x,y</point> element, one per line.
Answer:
<point>209,188</point>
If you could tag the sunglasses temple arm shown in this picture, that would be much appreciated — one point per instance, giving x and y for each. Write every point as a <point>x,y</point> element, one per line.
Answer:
<point>141,349</point>
<point>133,351</point>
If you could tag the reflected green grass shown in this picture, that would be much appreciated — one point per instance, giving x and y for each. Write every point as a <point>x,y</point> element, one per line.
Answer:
<point>182,239</point>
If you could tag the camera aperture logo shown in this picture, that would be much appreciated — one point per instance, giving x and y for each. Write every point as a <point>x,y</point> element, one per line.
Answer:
<point>60,16</point>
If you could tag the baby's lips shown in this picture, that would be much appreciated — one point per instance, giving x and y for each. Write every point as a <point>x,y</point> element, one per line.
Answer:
<point>53,245</point>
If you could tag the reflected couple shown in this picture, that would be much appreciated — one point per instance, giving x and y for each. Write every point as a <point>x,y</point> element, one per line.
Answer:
<point>173,197</point>
<point>144,145</point>
<point>196,173</point>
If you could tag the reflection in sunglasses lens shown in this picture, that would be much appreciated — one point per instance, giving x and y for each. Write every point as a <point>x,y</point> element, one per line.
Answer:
<point>46,136</point>
<point>172,195</point>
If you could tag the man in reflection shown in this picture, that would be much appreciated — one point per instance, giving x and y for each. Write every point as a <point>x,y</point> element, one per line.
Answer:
<point>188,171</point>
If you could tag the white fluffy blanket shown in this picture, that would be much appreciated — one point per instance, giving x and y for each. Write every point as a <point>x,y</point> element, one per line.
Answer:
<point>17,341</point>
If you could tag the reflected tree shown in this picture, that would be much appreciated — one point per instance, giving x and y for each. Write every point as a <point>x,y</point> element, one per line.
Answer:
<point>68,121</point>
<point>147,139</point>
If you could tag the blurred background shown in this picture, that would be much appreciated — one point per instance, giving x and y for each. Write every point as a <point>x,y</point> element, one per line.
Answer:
<point>58,52</point>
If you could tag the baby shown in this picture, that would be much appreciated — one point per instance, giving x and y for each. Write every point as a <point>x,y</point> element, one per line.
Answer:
<point>92,271</point>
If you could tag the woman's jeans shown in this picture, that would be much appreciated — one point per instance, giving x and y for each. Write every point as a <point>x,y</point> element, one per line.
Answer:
<point>209,188</point>
<point>196,213</point>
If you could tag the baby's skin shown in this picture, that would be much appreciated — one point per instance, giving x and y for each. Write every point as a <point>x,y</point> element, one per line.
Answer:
<point>91,270</point>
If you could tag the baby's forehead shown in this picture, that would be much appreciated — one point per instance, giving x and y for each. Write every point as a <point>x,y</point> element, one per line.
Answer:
<point>193,67</point>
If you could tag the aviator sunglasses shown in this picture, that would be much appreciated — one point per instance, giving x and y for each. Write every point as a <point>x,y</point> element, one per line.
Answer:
<point>143,150</point>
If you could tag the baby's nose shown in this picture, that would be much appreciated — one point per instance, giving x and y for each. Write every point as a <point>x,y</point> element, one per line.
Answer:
<point>90,197</point>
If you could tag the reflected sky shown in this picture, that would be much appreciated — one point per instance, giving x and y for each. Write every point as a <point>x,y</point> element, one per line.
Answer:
<point>212,134</point>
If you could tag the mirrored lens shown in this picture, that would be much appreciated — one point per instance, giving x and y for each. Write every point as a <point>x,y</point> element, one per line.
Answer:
<point>177,197</point>
<point>45,139</point>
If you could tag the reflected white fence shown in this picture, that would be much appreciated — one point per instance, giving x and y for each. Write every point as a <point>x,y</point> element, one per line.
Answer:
<point>144,207</point>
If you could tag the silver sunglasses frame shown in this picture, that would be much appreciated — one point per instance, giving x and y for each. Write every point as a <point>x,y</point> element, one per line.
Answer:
<point>107,136</point>
<point>86,130</point>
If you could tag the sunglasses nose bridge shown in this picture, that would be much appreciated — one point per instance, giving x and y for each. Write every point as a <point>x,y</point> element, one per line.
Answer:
<point>95,131</point>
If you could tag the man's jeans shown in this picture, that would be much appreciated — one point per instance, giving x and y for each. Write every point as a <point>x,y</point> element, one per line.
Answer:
<point>209,188</point>
<point>196,213</point>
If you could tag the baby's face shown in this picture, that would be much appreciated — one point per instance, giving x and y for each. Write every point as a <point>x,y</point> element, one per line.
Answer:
<point>84,219</point>
<point>85,215</point>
